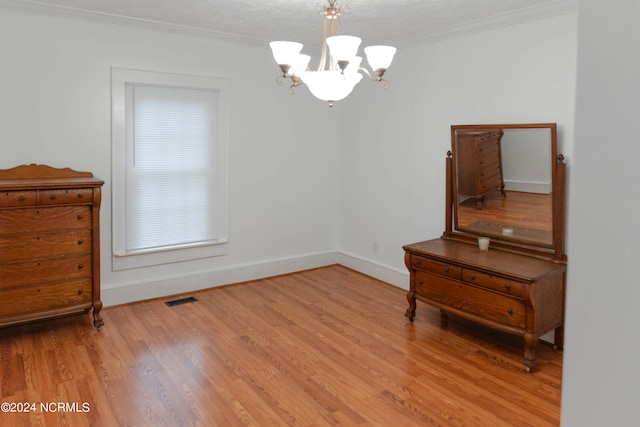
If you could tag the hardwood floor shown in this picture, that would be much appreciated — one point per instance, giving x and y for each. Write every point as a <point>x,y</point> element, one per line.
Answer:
<point>323,347</point>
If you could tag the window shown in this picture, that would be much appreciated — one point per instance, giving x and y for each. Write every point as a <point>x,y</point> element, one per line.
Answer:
<point>169,167</point>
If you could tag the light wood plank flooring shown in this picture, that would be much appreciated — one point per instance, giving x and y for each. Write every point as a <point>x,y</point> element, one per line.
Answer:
<point>324,347</point>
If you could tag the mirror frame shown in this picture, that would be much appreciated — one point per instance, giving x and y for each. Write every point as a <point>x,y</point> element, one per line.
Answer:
<point>553,251</point>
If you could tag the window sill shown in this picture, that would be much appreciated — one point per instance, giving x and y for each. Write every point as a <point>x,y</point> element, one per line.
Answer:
<point>127,261</point>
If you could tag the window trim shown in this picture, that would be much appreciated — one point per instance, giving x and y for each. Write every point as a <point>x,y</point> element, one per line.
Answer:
<point>121,260</point>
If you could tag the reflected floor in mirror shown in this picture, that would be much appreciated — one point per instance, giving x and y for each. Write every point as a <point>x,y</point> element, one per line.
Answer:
<point>527,214</point>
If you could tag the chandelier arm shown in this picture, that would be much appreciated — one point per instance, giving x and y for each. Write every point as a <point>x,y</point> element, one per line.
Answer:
<point>295,82</point>
<point>335,30</point>
<point>384,84</point>
<point>323,56</point>
<point>364,70</point>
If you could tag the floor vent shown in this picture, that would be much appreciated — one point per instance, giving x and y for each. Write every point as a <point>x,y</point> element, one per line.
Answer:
<point>180,301</point>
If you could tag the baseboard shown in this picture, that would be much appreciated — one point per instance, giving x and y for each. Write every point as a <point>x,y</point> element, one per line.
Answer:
<point>142,290</point>
<point>388,274</point>
<point>528,187</point>
<point>123,293</point>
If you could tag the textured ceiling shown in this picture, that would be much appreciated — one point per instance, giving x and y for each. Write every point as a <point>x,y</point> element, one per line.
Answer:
<point>396,22</point>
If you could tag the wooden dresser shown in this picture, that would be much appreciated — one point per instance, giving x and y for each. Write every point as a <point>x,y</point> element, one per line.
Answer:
<point>479,155</point>
<point>517,285</point>
<point>49,244</point>
<point>511,292</point>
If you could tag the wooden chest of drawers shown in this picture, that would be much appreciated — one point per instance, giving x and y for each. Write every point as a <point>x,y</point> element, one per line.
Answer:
<point>49,244</point>
<point>479,165</point>
<point>511,292</point>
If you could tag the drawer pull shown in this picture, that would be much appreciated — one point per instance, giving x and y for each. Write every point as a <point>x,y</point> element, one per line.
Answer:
<point>52,197</point>
<point>80,242</point>
<point>21,199</point>
<point>80,195</point>
<point>510,311</point>
<point>446,269</point>
<point>80,266</point>
<point>419,262</point>
<point>472,277</point>
<point>80,292</point>
<point>79,216</point>
<point>507,287</point>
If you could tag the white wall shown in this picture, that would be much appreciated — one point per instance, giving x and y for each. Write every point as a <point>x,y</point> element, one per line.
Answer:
<point>55,109</point>
<point>525,160</point>
<point>305,180</point>
<point>393,154</point>
<point>601,384</point>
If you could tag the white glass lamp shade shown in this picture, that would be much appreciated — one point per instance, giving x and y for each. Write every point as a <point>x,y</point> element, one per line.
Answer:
<point>299,65</point>
<point>285,53</point>
<point>379,57</point>
<point>343,48</point>
<point>330,85</point>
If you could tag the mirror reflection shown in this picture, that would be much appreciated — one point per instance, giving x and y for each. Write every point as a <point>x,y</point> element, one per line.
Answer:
<point>503,181</point>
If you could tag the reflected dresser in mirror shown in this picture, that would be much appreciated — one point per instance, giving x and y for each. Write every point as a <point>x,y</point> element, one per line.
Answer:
<point>517,285</point>
<point>480,163</point>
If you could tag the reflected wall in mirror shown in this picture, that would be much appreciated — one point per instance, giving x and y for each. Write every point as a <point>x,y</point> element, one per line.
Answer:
<point>503,181</point>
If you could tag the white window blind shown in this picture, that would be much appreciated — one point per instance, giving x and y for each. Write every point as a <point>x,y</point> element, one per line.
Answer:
<point>171,167</point>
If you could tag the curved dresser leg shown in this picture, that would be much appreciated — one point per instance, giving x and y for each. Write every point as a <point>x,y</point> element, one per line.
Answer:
<point>97,319</point>
<point>558,338</point>
<point>530,360</point>
<point>411,311</point>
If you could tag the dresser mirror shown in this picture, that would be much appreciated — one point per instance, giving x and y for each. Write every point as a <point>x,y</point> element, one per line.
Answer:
<point>506,185</point>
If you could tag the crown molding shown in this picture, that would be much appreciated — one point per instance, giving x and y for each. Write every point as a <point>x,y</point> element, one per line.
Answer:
<point>532,13</point>
<point>35,8</point>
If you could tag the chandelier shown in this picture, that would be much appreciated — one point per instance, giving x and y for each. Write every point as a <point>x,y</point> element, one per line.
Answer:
<point>339,72</point>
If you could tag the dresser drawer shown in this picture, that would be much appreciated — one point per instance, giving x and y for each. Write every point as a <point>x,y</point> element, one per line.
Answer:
<point>65,196</point>
<point>488,152</point>
<point>492,137</point>
<point>18,198</point>
<point>49,297</point>
<point>49,270</point>
<point>35,220</point>
<point>486,304</point>
<point>489,165</point>
<point>497,283</point>
<point>45,245</point>
<point>433,266</point>
<point>489,181</point>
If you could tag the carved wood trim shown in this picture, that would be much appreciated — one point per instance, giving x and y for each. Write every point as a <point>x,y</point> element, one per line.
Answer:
<point>35,171</point>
